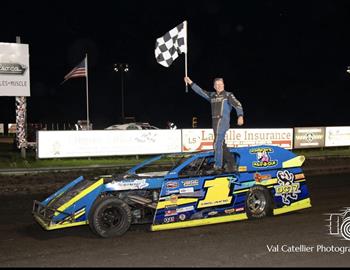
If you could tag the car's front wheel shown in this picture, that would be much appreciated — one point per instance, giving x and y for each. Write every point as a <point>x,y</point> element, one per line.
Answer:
<point>110,217</point>
<point>258,202</point>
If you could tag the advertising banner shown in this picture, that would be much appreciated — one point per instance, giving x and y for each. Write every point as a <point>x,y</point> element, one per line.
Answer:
<point>56,144</point>
<point>12,127</point>
<point>309,137</point>
<point>337,136</point>
<point>202,139</point>
<point>14,69</point>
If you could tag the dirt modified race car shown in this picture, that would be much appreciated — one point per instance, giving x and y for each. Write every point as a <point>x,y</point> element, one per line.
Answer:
<point>181,192</point>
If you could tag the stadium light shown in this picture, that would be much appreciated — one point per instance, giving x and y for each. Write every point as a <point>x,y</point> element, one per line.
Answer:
<point>122,68</point>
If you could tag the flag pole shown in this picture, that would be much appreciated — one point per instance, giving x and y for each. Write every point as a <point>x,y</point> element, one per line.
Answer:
<point>87,92</point>
<point>185,25</point>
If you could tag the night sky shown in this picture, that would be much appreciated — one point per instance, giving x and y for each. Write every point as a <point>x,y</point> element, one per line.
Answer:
<point>285,61</point>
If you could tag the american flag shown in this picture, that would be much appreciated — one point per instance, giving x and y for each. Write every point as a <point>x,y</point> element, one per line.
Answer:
<point>78,71</point>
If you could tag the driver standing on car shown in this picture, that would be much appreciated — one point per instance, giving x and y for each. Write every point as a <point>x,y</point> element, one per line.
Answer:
<point>221,106</point>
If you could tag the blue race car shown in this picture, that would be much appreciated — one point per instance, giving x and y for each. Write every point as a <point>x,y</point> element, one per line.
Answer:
<point>181,190</point>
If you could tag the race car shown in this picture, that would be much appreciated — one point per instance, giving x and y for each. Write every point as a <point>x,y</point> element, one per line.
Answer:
<point>181,190</point>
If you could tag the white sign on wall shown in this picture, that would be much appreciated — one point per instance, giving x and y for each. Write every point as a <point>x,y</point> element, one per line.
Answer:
<point>11,128</point>
<point>337,136</point>
<point>202,139</point>
<point>308,137</point>
<point>14,69</point>
<point>1,128</point>
<point>55,144</point>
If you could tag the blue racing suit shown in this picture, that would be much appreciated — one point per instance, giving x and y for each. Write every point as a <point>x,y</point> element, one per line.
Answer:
<point>221,106</point>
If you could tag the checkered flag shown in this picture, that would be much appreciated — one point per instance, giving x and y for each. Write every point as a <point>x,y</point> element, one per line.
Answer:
<point>169,46</point>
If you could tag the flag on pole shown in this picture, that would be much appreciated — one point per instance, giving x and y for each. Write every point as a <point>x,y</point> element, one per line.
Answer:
<point>78,71</point>
<point>169,46</point>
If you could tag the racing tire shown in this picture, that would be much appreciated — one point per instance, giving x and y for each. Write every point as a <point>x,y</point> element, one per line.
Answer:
<point>110,217</point>
<point>258,203</point>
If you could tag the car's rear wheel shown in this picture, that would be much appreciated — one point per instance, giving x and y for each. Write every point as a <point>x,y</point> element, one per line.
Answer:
<point>110,217</point>
<point>258,202</point>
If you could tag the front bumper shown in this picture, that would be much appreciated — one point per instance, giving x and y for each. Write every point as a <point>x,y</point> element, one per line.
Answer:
<point>44,216</point>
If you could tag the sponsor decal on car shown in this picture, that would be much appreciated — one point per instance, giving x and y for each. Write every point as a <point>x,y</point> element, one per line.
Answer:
<point>126,185</point>
<point>171,185</point>
<point>195,194</point>
<point>259,177</point>
<point>212,213</point>
<point>182,217</point>
<point>167,192</point>
<point>229,211</point>
<point>169,219</point>
<point>287,189</point>
<point>186,190</point>
<point>170,211</point>
<point>242,168</point>
<point>174,198</point>
<point>263,157</point>
<point>190,183</point>
<point>185,209</point>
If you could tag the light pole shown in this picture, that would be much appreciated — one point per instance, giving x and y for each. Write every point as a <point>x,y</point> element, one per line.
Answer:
<point>122,68</point>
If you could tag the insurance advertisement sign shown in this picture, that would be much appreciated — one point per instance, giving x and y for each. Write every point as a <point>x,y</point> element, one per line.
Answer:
<point>202,139</point>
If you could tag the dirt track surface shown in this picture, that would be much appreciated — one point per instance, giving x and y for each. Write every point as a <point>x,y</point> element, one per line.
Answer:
<point>41,183</point>
<point>23,243</point>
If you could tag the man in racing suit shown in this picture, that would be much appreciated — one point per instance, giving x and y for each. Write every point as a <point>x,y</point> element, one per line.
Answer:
<point>221,106</point>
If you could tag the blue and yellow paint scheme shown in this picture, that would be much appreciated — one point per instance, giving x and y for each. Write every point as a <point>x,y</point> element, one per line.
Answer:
<point>187,194</point>
<point>69,205</point>
<point>201,200</point>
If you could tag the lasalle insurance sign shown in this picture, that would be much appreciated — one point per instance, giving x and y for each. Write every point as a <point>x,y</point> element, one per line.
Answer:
<point>202,139</point>
<point>14,69</point>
